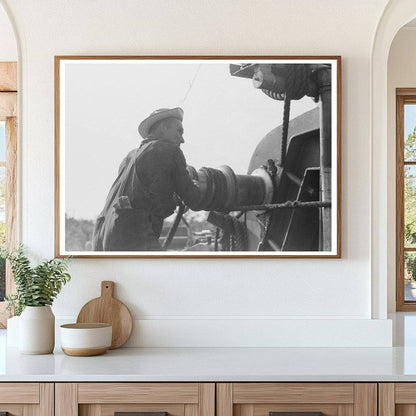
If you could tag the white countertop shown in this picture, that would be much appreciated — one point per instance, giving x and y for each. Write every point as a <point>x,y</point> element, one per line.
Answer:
<point>214,364</point>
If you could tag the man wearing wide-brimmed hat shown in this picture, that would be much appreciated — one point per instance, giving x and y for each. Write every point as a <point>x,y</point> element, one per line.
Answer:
<point>142,195</point>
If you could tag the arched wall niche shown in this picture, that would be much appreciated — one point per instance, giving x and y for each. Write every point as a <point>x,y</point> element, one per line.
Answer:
<point>396,14</point>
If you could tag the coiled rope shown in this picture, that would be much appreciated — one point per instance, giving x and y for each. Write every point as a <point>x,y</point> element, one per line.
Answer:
<point>234,232</point>
<point>285,131</point>
<point>296,87</point>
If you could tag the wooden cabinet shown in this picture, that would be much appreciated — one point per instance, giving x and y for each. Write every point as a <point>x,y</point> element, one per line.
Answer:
<point>208,399</point>
<point>264,399</point>
<point>397,399</point>
<point>27,399</point>
<point>105,399</point>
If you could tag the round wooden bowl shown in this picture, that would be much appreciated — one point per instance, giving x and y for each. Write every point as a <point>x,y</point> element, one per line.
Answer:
<point>85,339</point>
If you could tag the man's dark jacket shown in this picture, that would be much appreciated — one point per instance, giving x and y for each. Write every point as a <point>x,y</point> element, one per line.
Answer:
<point>142,196</point>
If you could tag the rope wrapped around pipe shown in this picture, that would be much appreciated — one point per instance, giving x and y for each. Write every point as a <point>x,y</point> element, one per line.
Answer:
<point>296,80</point>
<point>284,205</point>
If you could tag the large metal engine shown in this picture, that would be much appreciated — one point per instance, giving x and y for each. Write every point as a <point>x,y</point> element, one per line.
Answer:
<point>284,202</point>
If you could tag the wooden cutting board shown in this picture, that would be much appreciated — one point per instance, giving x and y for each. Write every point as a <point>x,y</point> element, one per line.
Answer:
<point>107,309</point>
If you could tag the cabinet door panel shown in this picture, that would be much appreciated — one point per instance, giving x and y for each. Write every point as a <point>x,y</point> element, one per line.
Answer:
<point>405,393</point>
<point>90,410</point>
<point>397,399</point>
<point>191,410</point>
<point>386,398</point>
<point>293,393</point>
<point>26,399</point>
<point>365,399</point>
<point>345,410</point>
<point>66,399</point>
<point>24,393</point>
<point>105,399</point>
<point>331,399</point>
<point>110,409</point>
<point>326,409</point>
<point>138,393</point>
<point>30,410</point>
<point>12,409</point>
<point>406,410</point>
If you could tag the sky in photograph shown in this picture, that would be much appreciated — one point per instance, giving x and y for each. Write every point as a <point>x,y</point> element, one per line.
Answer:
<point>225,119</point>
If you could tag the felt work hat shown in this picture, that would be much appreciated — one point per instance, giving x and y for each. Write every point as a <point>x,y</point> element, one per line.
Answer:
<point>158,115</point>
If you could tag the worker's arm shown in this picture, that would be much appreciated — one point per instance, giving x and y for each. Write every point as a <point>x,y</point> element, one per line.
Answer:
<point>185,187</point>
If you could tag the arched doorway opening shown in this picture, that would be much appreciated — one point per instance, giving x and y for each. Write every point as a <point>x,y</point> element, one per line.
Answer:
<point>401,135</point>
<point>395,16</point>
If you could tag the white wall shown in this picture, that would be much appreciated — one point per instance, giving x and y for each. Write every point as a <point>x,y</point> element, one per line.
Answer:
<point>401,74</point>
<point>8,47</point>
<point>177,294</point>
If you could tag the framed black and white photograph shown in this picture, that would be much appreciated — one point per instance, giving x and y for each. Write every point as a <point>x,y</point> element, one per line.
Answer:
<point>197,156</point>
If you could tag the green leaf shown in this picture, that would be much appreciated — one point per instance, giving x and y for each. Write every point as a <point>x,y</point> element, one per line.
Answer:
<point>35,286</point>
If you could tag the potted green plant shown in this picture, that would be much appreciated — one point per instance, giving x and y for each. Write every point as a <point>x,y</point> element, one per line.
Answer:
<point>36,289</point>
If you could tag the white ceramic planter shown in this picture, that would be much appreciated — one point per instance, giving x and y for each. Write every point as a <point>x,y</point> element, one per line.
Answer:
<point>37,330</point>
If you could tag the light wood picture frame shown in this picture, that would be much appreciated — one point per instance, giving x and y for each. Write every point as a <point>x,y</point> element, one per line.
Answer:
<point>260,168</point>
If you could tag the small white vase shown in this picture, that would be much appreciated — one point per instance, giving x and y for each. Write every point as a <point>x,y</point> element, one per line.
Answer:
<point>37,330</point>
